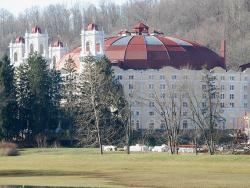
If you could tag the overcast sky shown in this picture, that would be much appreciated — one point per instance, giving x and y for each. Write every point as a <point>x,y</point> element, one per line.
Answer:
<point>17,6</point>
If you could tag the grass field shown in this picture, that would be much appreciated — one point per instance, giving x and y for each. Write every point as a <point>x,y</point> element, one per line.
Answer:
<point>86,168</point>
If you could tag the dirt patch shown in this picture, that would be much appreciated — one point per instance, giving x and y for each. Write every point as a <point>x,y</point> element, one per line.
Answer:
<point>27,173</point>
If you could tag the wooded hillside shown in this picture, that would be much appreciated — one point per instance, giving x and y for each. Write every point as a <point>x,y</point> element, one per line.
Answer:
<point>205,21</point>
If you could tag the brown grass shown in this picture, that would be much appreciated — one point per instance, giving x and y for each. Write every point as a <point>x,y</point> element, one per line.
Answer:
<point>86,167</point>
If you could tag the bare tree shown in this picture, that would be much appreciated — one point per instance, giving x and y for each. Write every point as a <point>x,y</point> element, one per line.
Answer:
<point>170,108</point>
<point>205,108</point>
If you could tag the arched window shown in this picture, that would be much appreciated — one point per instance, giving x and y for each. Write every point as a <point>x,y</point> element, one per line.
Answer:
<point>15,57</point>
<point>54,62</point>
<point>98,47</point>
<point>87,46</point>
<point>31,49</point>
<point>41,49</point>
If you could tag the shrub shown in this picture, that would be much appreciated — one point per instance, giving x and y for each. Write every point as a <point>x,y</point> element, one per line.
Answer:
<point>8,149</point>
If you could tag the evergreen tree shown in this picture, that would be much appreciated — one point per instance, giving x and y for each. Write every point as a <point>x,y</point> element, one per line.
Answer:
<point>69,94</point>
<point>55,97</point>
<point>23,98</point>
<point>9,128</point>
<point>39,83</point>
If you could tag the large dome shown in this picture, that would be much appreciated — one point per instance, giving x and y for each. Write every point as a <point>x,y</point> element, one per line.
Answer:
<point>148,51</point>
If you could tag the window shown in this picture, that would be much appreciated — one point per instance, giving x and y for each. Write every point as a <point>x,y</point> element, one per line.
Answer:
<point>151,77</point>
<point>222,96</point>
<point>163,95</point>
<point>231,87</point>
<point>231,104</point>
<point>162,77</point>
<point>185,124</point>
<point>151,95</point>
<point>245,88</point>
<point>151,86</point>
<point>162,86</point>
<point>87,46</point>
<point>213,96</point>
<point>185,77</point>
<point>137,124</point>
<point>222,87</point>
<point>151,113</point>
<point>151,104</point>
<point>173,86</point>
<point>245,78</point>
<point>98,47</point>
<point>245,96</point>
<point>231,78</point>
<point>174,77</point>
<point>204,105</point>
<point>222,78</point>
<point>119,77</point>
<point>15,57</point>
<point>222,105</point>
<point>204,95</point>
<point>31,49</point>
<point>130,86</point>
<point>54,62</point>
<point>163,125</point>
<point>184,104</point>
<point>184,113</point>
<point>130,77</point>
<point>231,96</point>
<point>41,49</point>
<point>151,125</point>
<point>137,113</point>
<point>132,123</point>
<point>245,105</point>
<point>204,87</point>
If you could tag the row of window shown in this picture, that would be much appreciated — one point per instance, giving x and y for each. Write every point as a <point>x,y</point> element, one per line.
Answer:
<point>204,87</point>
<point>151,77</point>
<point>136,124</point>
<point>185,77</point>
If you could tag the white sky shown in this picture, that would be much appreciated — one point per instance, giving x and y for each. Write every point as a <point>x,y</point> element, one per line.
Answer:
<point>17,6</point>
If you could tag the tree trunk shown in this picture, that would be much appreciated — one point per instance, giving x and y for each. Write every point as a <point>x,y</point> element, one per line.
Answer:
<point>98,134</point>
<point>97,127</point>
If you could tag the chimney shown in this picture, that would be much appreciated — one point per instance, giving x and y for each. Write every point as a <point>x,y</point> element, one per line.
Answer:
<point>223,50</point>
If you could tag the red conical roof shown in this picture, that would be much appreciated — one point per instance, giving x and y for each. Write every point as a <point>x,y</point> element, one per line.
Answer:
<point>19,39</point>
<point>36,29</point>
<point>92,26</point>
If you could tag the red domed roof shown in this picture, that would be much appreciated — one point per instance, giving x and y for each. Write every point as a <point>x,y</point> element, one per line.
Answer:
<point>145,51</point>
<point>36,29</point>
<point>19,39</point>
<point>92,26</point>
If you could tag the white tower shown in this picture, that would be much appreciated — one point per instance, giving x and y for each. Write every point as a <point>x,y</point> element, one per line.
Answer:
<point>92,41</point>
<point>36,41</point>
<point>56,51</point>
<point>17,51</point>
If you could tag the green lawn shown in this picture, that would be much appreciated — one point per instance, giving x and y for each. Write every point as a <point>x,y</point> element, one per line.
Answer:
<point>85,167</point>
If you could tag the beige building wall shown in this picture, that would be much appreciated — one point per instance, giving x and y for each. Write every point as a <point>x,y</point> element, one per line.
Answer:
<point>141,86</point>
